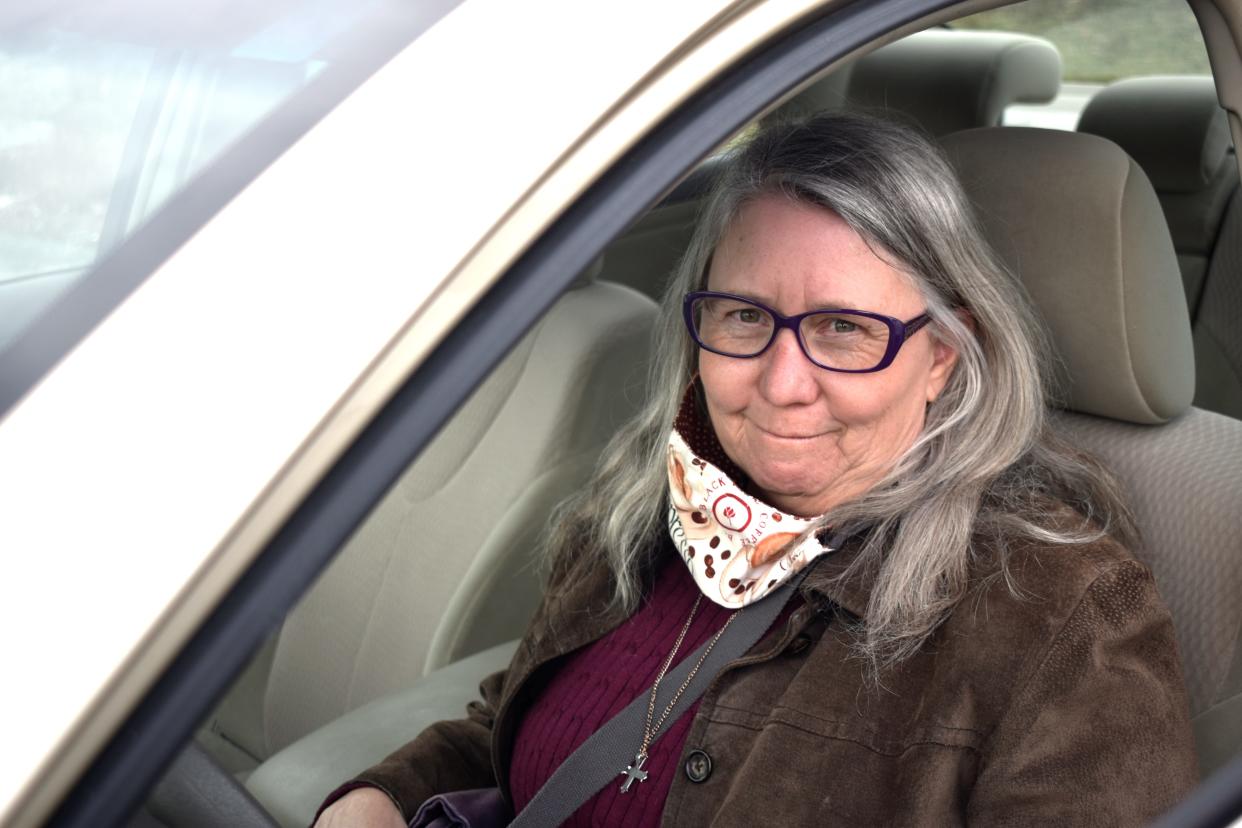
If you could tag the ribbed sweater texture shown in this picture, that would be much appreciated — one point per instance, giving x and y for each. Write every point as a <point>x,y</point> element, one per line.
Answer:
<point>596,682</point>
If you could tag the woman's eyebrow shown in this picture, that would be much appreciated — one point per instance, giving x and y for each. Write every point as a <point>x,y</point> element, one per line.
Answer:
<point>824,304</point>
<point>746,294</point>
<point>818,304</point>
<point>832,304</point>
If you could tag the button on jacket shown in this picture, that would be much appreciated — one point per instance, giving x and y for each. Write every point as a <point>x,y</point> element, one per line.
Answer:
<point>1062,706</point>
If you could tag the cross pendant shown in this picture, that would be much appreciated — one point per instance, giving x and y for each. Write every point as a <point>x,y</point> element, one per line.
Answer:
<point>634,772</point>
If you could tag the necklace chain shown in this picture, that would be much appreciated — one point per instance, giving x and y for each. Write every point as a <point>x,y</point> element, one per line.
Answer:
<point>650,730</point>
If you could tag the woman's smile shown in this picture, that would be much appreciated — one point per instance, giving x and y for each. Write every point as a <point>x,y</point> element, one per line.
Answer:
<point>789,434</point>
<point>790,437</point>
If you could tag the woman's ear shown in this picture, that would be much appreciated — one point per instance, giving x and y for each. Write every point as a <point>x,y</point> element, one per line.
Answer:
<point>944,358</point>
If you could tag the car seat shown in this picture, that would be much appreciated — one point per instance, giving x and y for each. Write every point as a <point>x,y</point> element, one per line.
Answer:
<point>942,80</point>
<point>945,80</point>
<point>1078,221</point>
<point>444,566</point>
<point>1176,131</point>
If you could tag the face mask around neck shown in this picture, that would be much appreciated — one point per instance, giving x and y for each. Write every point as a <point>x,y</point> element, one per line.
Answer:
<point>736,546</point>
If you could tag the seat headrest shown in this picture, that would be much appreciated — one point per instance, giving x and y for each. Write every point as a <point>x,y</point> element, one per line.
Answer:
<point>950,80</point>
<point>1078,222</point>
<point>1172,126</point>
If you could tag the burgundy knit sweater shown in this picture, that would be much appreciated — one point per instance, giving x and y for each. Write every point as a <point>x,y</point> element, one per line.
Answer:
<point>597,682</point>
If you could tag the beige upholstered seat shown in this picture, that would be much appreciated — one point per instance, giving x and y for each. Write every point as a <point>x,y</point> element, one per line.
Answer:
<point>443,567</point>
<point>943,80</point>
<point>1217,332</point>
<point>946,80</point>
<point>1080,224</point>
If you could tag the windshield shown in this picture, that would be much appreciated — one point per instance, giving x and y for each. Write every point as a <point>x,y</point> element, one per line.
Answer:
<point>108,109</point>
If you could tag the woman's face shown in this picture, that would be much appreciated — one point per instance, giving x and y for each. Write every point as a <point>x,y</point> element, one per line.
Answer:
<point>810,438</point>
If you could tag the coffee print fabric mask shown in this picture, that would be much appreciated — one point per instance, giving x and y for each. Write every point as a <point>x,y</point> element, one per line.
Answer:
<point>734,544</point>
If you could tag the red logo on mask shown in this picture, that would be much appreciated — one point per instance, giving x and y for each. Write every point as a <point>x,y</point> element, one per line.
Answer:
<point>731,512</point>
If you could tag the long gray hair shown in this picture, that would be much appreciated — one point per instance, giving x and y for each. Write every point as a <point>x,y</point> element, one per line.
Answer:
<point>986,467</point>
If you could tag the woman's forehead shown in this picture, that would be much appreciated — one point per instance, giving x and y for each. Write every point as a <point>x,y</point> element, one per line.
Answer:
<point>778,250</point>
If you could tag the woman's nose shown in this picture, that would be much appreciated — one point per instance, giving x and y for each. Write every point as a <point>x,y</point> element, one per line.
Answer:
<point>788,377</point>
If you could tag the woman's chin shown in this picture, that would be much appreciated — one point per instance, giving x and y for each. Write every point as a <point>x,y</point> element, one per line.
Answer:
<point>801,496</point>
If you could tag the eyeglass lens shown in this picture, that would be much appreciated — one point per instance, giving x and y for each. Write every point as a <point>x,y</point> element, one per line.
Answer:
<point>836,340</point>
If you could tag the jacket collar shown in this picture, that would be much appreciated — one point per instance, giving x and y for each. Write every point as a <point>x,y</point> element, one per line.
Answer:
<point>829,582</point>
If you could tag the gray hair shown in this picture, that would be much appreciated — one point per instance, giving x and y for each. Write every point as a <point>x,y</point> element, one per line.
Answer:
<point>985,473</point>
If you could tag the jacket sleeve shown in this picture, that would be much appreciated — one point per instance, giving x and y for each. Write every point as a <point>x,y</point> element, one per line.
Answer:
<point>451,755</point>
<point>1099,732</point>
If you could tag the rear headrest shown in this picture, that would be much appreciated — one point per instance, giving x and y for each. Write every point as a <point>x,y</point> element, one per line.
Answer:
<point>1079,223</point>
<point>952,80</point>
<point>1172,126</point>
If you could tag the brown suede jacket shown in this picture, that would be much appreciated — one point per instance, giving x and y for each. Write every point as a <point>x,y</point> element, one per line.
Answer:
<point>1061,707</point>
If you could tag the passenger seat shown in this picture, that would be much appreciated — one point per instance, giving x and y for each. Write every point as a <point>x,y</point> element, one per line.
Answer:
<point>444,567</point>
<point>1080,224</point>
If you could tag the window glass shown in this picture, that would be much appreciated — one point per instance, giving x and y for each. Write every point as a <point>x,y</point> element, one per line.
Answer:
<point>105,112</point>
<point>1103,40</point>
<point>1100,41</point>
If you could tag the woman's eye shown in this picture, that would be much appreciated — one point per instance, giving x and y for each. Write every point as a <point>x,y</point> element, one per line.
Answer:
<point>747,316</point>
<point>843,326</point>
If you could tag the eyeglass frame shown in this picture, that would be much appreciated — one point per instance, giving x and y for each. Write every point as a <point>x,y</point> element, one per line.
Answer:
<point>898,331</point>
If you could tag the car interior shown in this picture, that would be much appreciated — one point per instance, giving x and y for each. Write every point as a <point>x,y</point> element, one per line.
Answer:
<point>1126,232</point>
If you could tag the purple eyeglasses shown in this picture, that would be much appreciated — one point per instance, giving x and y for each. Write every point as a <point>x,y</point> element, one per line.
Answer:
<point>836,339</point>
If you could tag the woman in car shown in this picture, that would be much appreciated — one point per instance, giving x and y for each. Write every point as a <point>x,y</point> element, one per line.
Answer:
<point>851,392</point>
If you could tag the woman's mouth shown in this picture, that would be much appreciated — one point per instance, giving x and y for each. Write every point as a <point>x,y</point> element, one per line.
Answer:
<point>788,434</point>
